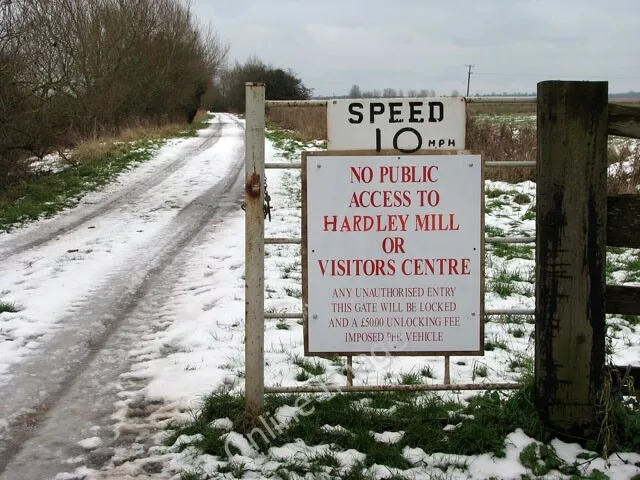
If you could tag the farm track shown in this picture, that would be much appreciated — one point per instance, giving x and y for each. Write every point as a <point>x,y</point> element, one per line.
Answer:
<point>67,391</point>
<point>127,195</point>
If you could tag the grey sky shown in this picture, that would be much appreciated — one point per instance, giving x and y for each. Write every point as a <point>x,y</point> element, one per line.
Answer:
<point>415,44</point>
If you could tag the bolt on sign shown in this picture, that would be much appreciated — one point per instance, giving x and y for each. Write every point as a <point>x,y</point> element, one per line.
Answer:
<point>404,125</point>
<point>393,253</point>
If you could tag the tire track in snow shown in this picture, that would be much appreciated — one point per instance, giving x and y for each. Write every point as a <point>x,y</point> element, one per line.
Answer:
<point>128,194</point>
<point>49,410</point>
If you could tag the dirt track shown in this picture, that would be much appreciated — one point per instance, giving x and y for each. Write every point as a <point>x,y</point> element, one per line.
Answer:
<point>66,391</point>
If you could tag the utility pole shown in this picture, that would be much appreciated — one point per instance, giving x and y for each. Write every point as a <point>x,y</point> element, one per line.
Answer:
<point>469,77</point>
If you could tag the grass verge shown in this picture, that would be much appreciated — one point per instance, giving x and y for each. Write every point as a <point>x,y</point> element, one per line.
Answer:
<point>344,423</point>
<point>92,165</point>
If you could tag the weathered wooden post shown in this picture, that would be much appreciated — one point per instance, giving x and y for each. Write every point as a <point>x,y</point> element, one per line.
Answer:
<point>571,176</point>
<point>254,248</point>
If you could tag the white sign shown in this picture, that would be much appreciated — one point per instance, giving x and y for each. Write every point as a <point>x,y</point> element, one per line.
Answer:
<point>393,251</point>
<point>405,125</point>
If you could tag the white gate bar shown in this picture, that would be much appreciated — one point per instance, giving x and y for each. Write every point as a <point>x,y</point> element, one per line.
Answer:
<point>510,163</point>
<point>395,388</point>
<point>510,311</point>
<point>254,248</point>
<point>282,241</point>
<point>349,370</point>
<point>322,103</point>
<point>296,103</point>
<point>488,312</point>
<point>298,241</point>
<point>510,240</point>
<point>291,316</point>
<point>489,164</point>
<point>274,165</point>
<point>447,370</point>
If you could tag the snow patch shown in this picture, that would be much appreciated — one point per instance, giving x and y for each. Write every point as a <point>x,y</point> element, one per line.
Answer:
<point>90,443</point>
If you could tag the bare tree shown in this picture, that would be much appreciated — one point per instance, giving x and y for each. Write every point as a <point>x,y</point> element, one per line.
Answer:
<point>355,92</point>
<point>72,68</point>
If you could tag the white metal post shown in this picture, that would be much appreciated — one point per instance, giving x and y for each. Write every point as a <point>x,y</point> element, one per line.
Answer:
<point>254,248</point>
<point>447,370</point>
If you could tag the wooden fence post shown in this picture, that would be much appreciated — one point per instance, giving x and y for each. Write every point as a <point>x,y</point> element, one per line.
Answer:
<point>254,249</point>
<point>571,176</point>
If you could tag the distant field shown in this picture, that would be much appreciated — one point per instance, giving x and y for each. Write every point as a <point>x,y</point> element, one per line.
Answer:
<point>502,130</point>
<point>522,105</point>
<point>311,122</point>
<point>502,107</point>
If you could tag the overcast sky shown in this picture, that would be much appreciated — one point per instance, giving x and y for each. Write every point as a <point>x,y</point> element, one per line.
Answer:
<point>415,44</point>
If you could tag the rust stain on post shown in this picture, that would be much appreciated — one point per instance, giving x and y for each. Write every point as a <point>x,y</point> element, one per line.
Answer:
<point>253,185</point>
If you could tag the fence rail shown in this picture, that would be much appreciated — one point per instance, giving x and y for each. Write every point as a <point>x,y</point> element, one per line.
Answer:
<point>623,220</point>
<point>624,120</point>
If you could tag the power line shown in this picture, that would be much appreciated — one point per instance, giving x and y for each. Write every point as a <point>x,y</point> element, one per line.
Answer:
<point>469,77</point>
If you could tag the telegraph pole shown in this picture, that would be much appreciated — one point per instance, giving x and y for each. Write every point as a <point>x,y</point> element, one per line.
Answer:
<point>469,77</point>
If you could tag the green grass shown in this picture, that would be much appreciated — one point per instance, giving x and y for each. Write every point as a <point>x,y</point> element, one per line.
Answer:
<point>517,332</point>
<point>287,141</point>
<point>623,265</point>
<point>521,198</point>
<point>495,204</point>
<point>311,367</point>
<point>282,325</point>
<point>410,378</point>
<point>520,362</point>
<point>427,372</point>
<point>503,282</point>
<point>291,270</point>
<point>485,422</point>
<point>8,307</point>
<point>479,370</point>
<point>510,251</point>
<point>294,292</point>
<point>530,214</point>
<point>511,319</point>
<point>632,320</point>
<point>541,459</point>
<point>491,231</point>
<point>236,469</point>
<point>495,192</point>
<point>492,344</point>
<point>191,475</point>
<point>45,194</point>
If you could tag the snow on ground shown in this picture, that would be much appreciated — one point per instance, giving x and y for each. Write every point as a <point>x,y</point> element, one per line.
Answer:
<point>50,163</point>
<point>206,343</point>
<point>203,350</point>
<point>44,282</point>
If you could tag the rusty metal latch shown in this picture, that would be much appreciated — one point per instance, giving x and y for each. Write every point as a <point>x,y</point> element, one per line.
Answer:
<point>267,202</point>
